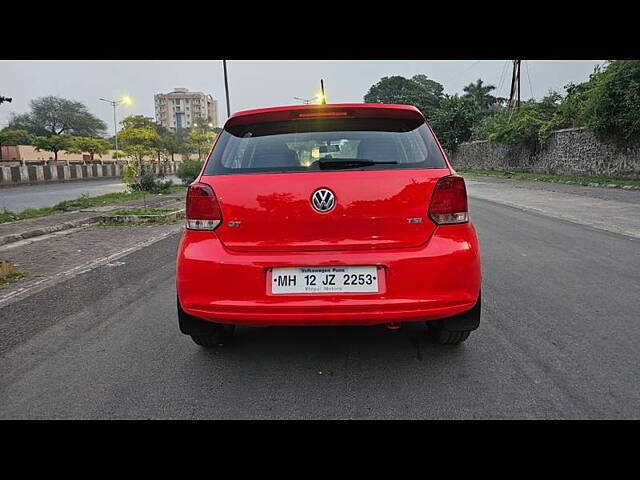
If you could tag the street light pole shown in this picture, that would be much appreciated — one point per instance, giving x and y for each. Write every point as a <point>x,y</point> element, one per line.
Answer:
<point>115,125</point>
<point>226,87</point>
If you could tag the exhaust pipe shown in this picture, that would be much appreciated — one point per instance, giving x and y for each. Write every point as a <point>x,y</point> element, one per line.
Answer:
<point>393,326</point>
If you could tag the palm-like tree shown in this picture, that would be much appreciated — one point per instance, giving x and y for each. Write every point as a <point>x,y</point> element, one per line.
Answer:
<point>479,94</point>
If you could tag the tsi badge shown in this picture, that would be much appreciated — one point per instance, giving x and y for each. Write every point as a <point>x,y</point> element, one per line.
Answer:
<point>414,220</point>
<point>233,223</point>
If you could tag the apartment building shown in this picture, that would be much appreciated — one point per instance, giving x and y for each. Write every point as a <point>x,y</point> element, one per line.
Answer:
<point>181,107</point>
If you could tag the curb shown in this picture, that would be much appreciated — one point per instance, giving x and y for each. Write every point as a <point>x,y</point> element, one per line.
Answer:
<point>36,232</point>
<point>176,214</point>
<point>16,237</point>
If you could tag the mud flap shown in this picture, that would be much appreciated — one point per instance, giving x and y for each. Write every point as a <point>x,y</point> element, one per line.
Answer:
<point>467,321</point>
<point>194,326</point>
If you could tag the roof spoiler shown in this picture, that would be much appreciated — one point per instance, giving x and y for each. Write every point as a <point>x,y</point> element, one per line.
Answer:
<point>306,112</point>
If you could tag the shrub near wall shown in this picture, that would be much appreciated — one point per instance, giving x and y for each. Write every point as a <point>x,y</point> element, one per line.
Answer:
<point>574,151</point>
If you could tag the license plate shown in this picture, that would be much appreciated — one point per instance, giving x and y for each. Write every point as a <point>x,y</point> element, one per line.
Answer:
<point>324,280</point>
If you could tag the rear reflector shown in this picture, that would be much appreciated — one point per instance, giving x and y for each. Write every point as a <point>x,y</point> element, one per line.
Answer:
<point>322,114</point>
<point>203,211</point>
<point>449,201</point>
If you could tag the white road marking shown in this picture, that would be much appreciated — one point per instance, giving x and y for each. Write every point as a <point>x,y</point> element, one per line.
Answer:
<point>47,282</point>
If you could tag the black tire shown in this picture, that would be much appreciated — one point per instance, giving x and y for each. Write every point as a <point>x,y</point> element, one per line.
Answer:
<point>445,337</point>
<point>455,330</point>
<point>218,337</point>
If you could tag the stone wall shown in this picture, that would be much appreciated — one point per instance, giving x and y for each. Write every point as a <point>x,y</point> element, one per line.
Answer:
<point>32,174</point>
<point>574,151</point>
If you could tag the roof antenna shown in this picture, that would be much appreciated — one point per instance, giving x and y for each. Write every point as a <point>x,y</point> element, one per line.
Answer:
<point>324,99</point>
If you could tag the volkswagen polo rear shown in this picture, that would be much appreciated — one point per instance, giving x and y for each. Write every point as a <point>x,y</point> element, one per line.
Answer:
<point>327,215</point>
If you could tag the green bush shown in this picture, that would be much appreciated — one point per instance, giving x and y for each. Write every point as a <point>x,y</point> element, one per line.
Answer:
<point>148,182</point>
<point>530,125</point>
<point>612,106</point>
<point>189,170</point>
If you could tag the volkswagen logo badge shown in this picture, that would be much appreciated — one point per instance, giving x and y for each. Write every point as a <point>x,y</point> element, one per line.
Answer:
<point>323,200</point>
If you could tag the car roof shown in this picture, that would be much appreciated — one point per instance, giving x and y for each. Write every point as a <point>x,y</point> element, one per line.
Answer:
<point>363,109</point>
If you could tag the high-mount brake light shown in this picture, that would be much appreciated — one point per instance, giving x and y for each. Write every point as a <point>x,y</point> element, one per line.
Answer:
<point>449,201</point>
<point>203,211</point>
<point>322,114</point>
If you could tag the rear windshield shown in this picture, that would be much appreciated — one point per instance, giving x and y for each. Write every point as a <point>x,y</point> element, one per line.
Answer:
<point>325,144</point>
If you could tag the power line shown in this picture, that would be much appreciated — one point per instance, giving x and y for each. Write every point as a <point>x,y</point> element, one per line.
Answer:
<point>501,82</point>
<point>457,75</point>
<point>526,64</point>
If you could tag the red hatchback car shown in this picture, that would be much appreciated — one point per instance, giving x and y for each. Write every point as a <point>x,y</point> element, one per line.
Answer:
<point>344,214</point>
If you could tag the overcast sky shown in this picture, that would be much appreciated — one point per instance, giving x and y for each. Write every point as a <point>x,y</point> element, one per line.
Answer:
<point>254,84</point>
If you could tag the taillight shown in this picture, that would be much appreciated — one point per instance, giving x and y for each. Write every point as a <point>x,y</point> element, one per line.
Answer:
<point>322,114</point>
<point>449,201</point>
<point>203,211</point>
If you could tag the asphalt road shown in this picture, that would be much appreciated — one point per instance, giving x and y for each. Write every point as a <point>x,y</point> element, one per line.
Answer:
<point>17,199</point>
<point>559,339</point>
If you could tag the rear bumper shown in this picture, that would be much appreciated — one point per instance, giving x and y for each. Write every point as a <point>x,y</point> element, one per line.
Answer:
<point>437,280</point>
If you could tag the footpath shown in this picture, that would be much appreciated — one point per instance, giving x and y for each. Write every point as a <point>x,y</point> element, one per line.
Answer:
<point>613,210</point>
<point>54,248</point>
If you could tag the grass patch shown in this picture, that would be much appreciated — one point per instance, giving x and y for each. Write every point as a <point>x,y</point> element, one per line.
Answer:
<point>84,201</point>
<point>142,211</point>
<point>595,181</point>
<point>13,276</point>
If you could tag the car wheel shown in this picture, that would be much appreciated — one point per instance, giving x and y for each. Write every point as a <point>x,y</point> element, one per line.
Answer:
<point>219,336</point>
<point>445,337</point>
<point>455,330</point>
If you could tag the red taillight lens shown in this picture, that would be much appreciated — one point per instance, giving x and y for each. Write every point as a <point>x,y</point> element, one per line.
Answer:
<point>203,211</point>
<point>449,201</point>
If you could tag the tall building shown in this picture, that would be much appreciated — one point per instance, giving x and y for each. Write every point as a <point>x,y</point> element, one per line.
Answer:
<point>181,107</point>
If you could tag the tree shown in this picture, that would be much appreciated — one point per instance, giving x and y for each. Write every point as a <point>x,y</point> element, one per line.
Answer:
<point>452,121</point>
<point>14,137</point>
<point>92,146</point>
<point>202,123</point>
<point>418,91</point>
<point>612,103</point>
<point>171,145</point>
<point>479,94</point>
<point>138,121</point>
<point>23,122</point>
<point>54,143</point>
<point>138,142</point>
<point>55,116</point>
<point>434,88</point>
<point>200,141</point>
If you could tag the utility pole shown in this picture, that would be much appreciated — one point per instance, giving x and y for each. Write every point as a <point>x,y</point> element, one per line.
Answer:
<point>226,87</point>
<point>324,99</point>
<point>514,95</point>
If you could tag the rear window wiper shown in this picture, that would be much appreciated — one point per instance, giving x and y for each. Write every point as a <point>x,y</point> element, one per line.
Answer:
<point>351,162</point>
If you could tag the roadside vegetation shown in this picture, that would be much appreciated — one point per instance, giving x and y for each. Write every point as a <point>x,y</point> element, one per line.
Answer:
<point>188,171</point>
<point>591,181</point>
<point>13,276</point>
<point>83,201</point>
<point>608,104</point>
<point>142,211</point>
